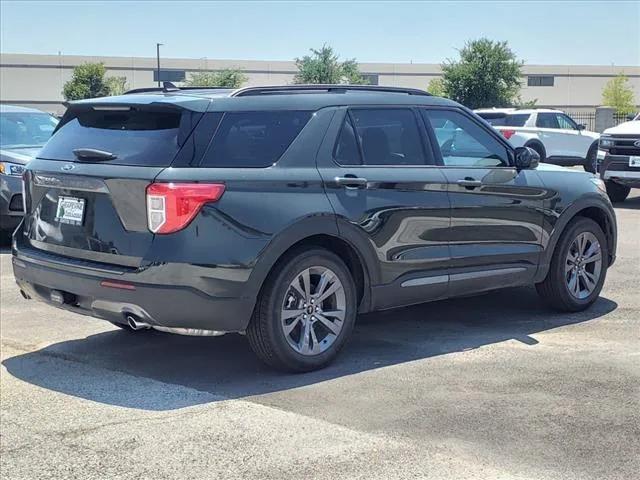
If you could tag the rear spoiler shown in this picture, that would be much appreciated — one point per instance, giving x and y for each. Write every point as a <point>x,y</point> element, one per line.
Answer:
<point>197,106</point>
<point>168,87</point>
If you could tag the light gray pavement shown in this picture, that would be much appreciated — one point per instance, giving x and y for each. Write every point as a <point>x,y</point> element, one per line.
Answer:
<point>490,387</point>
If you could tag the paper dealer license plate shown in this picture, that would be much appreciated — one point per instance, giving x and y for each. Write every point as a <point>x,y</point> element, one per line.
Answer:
<point>70,210</point>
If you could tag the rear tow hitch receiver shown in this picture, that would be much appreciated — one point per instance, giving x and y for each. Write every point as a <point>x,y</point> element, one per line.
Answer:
<point>62,298</point>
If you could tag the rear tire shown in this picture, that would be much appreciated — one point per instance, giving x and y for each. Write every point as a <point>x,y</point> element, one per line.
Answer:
<point>295,327</point>
<point>590,163</point>
<point>557,289</point>
<point>617,192</point>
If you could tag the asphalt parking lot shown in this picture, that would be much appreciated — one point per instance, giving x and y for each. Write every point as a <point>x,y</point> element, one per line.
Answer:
<point>495,386</point>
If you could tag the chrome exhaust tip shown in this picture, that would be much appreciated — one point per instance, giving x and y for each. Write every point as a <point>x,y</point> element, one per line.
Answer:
<point>136,324</point>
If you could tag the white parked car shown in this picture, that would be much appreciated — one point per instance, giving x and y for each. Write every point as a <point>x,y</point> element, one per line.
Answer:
<point>619,159</point>
<point>553,134</point>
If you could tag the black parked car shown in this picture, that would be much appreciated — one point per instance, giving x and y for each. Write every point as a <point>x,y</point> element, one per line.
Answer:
<point>282,212</point>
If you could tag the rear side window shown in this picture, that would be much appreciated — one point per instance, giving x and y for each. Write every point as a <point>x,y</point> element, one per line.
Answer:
<point>388,136</point>
<point>135,137</point>
<point>347,151</point>
<point>547,120</point>
<point>254,139</point>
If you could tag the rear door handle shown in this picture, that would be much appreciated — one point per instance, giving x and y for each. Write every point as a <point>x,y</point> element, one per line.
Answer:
<point>351,181</point>
<point>469,183</point>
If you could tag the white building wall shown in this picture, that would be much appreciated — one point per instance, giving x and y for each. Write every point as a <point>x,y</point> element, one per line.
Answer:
<point>37,80</point>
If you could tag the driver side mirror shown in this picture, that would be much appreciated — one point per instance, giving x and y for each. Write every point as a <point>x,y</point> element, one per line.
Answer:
<point>526,158</point>
<point>582,126</point>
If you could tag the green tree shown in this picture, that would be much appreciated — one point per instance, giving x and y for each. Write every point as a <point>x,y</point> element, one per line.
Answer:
<point>116,85</point>
<point>229,77</point>
<point>436,87</point>
<point>519,103</point>
<point>486,75</point>
<point>617,93</point>
<point>324,66</point>
<point>88,81</point>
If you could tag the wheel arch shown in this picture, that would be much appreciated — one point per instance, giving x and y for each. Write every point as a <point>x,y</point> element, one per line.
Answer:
<point>321,231</point>
<point>595,209</point>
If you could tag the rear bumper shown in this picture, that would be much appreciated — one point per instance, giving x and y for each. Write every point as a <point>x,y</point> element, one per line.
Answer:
<point>157,304</point>
<point>616,168</point>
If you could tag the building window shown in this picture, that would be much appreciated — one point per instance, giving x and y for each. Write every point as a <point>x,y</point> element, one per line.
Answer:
<point>540,81</point>
<point>371,78</point>
<point>169,75</point>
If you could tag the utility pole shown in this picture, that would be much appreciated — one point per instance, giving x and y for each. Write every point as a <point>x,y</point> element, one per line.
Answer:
<point>158,58</point>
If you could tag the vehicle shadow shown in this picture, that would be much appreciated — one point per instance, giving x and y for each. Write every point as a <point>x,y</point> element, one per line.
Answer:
<point>631,203</point>
<point>5,242</point>
<point>224,367</point>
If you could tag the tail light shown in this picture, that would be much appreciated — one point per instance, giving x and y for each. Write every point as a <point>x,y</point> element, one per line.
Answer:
<point>508,133</point>
<point>171,206</point>
<point>25,179</point>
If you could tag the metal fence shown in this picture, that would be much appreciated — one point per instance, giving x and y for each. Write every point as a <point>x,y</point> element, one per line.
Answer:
<point>588,119</point>
<point>619,118</point>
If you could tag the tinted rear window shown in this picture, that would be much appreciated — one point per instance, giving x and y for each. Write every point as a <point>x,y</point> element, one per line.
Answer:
<point>505,120</point>
<point>136,137</point>
<point>254,139</point>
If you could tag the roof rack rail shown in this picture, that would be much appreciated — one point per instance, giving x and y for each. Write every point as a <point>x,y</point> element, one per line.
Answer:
<point>169,87</point>
<point>323,88</point>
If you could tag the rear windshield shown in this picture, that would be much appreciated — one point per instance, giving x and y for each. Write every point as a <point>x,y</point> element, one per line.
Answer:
<point>505,120</point>
<point>135,137</point>
<point>254,139</point>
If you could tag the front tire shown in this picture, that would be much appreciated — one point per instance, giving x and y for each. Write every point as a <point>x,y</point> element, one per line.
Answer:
<point>590,163</point>
<point>578,267</point>
<point>305,312</point>
<point>617,192</point>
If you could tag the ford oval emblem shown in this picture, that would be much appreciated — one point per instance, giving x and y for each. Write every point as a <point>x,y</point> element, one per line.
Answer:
<point>636,143</point>
<point>68,166</point>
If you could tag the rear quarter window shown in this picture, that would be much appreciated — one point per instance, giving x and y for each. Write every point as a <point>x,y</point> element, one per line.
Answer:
<point>254,139</point>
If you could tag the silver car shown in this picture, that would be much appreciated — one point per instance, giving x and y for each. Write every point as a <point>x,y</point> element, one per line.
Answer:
<point>23,132</point>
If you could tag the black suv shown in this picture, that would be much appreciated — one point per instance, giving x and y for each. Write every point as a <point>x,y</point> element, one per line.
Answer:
<point>282,212</point>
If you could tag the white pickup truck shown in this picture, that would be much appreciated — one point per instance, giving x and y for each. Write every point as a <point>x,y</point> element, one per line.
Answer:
<point>619,159</point>
<point>553,134</point>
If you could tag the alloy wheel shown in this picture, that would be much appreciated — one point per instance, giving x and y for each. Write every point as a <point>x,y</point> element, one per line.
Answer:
<point>583,265</point>
<point>313,310</point>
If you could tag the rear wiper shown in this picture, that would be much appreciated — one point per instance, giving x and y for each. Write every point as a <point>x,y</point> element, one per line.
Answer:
<point>84,154</point>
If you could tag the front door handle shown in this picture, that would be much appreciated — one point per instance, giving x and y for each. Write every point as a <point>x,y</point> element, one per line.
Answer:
<point>350,181</point>
<point>469,183</point>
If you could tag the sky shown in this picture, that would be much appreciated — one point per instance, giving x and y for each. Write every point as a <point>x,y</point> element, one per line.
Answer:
<point>571,32</point>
